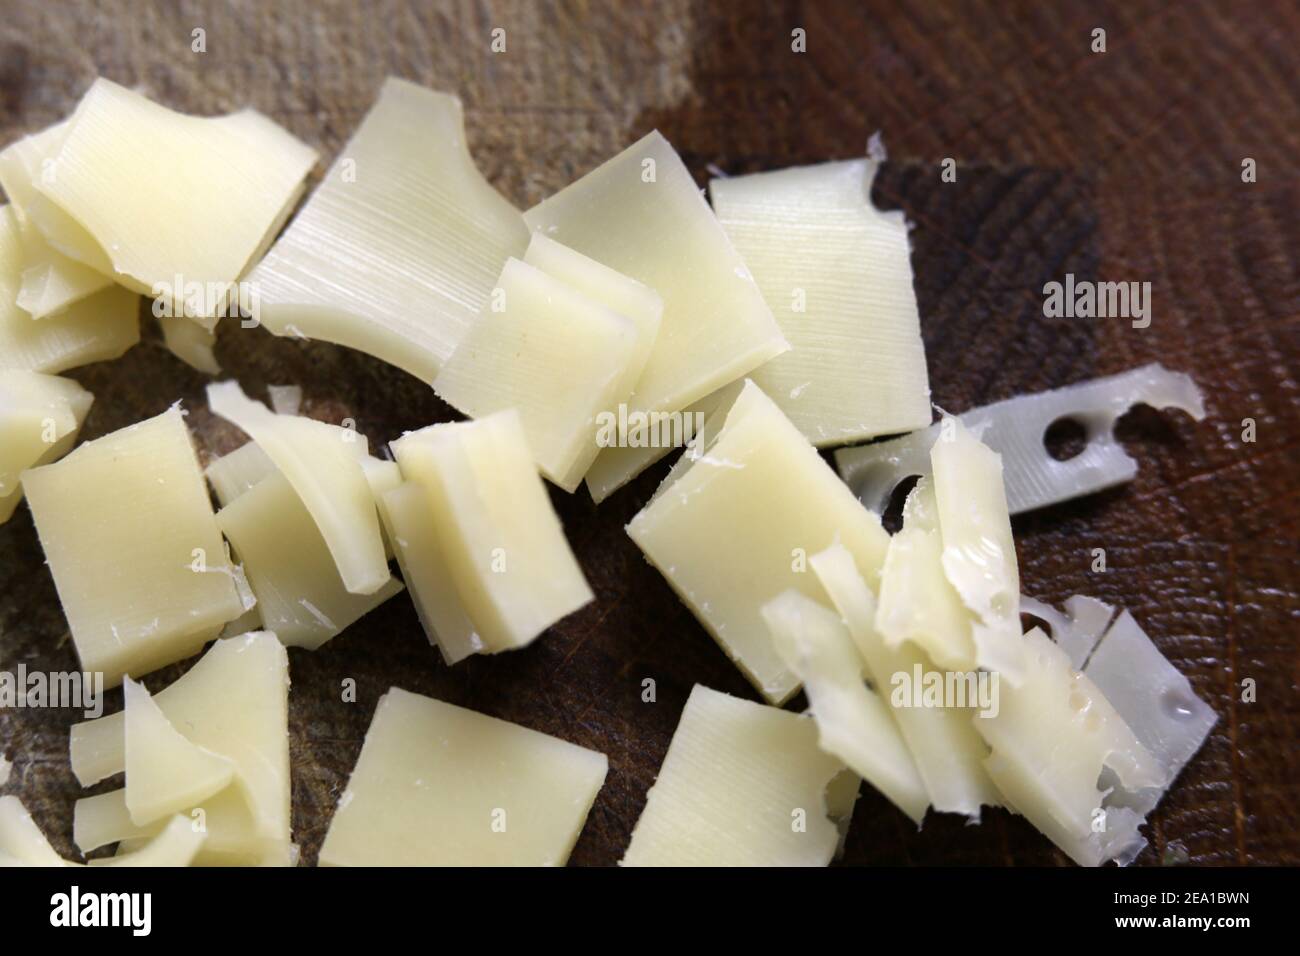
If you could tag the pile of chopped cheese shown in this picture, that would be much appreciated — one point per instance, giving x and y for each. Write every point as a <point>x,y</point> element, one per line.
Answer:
<point>623,319</point>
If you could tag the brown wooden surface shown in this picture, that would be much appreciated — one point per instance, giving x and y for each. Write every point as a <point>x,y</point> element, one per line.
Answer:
<point>1121,166</point>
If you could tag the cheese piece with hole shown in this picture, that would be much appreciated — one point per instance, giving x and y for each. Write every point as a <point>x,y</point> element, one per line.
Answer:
<point>979,554</point>
<point>30,161</point>
<point>398,249</point>
<point>497,535</point>
<point>949,754</point>
<point>853,723</point>
<point>558,356</point>
<point>190,342</point>
<point>136,495</point>
<point>40,418</point>
<point>439,785</point>
<point>1156,701</point>
<point>917,602</point>
<point>165,773</point>
<point>1055,740</point>
<point>232,838</point>
<point>642,214</point>
<point>226,181</point>
<point>733,523</point>
<point>50,280</point>
<point>837,275</point>
<point>98,327</point>
<point>742,784</point>
<point>1015,429</point>
<point>322,464</point>
<point>300,596</point>
<point>234,702</point>
<point>638,303</point>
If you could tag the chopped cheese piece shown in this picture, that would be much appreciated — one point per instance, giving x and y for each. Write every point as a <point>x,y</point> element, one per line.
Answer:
<point>853,723</point>
<point>1016,428</point>
<point>556,355</point>
<point>98,327</point>
<point>734,522</point>
<point>300,596</point>
<point>226,182</point>
<point>177,844</point>
<point>22,844</point>
<point>40,418</point>
<point>949,754</point>
<point>837,275</point>
<point>134,601</point>
<point>1052,739</point>
<point>979,555</point>
<point>285,399</point>
<point>1077,630</point>
<point>439,785</point>
<point>30,161</point>
<point>165,773</point>
<point>234,473</point>
<point>397,251</point>
<point>190,342</point>
<point>234,702</point>
<point>742,784</point>
<point>917,603</point>
<point>50,280</point>
<point>496,534</point>
<point>322,464</point>
<point>1154,699</point>
<point>642,214</point>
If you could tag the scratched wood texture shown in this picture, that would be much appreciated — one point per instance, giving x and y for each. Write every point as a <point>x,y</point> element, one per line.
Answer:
<point>1123,166</point>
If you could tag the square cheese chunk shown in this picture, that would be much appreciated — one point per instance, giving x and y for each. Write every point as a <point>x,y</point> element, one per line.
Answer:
<point>439,785</point>
<point>136,554</point>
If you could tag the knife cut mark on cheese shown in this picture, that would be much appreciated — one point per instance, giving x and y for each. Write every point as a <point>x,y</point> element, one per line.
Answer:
<point>853,723</point>
<point>742,784</point>
<point>1015,429</point>
<point>396,252</point>
<point>837,275</point>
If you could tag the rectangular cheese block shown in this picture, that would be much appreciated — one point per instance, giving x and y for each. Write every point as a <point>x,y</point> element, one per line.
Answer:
<point>732,527</point>
<point>742,784</point>
<point>134,601</point>
<point>837,275</point>
<point>642,214</point>
<point>558,356</point>
<point>439,785</point>
<point>40,418</point>
<point>499,538</point>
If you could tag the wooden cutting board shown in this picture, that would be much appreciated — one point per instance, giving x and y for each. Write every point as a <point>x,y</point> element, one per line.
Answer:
<point>1124,165</point>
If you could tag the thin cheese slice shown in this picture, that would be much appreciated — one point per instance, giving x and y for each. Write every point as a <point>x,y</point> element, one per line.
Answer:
<point>853,723</point>
<point>134,601</point>
<point>1054,738</point>
<point>439,785</point>
<point>234,473</point>
<point>98,327</point>
<point>742,784</point>
<point>979,554</point>
<point>190,342</point>
<point>498,535</point>
<point>177,844</point>
<point>397,251</point>
<point>1078,629</point>
<point>40,417</point>
<point>22,844</point>
<point>300,596</point>
<point>733,523</point>
<point>837,275</point>
<point>949,754</point>
<point>225,181</point>
<point>642,214</point>
<point>234,702</point>
<point>322,464</point>
<point>165,773</point>
<point>50,280</point>
<point>558,356</point>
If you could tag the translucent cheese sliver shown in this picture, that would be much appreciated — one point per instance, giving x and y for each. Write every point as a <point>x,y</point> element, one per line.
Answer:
<point>399,248</point>
<point>837,275</point>
<point>322,464</point>
<point>642,214</point>
<point>224,180</point>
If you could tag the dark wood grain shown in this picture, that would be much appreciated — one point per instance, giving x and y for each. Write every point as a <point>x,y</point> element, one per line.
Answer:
<point>1122,166</point>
